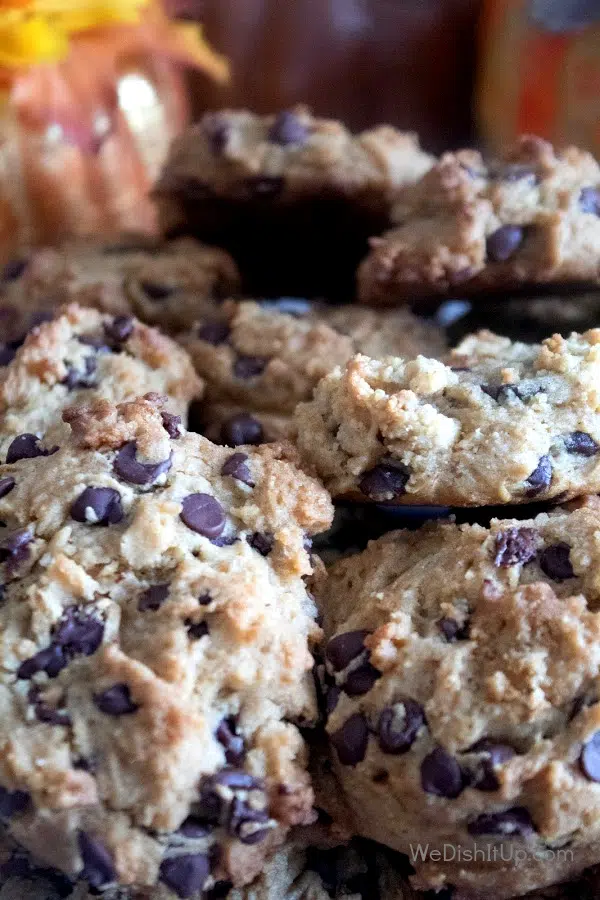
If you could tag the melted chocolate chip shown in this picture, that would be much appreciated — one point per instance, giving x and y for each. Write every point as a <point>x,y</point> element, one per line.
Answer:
<point>385,481</point>
<point>236,467</point>
<point>589,200</point>
<point>14,548</point>
<point>119,330</point>
<point>193,828</point>
<point>242,429</point>
<point>79,632</point>
<point>540,478</point>
<point>153,597</point>
<point>14,269</point>
<point>6,486</point>
<point>493,755</point>
<point>214,333</point>
<point>246,823</point>
<point>172,425</point>
<point>399,726</point>
<point>50,660</point>
<point>97,506</point>
<point>262,543</point>
<point>288,129</point>
<point>98,867</point>
<point>246,367</point>
<point>77,378</point>
<point>185,875</point>
<point>504,242</point>
<point>555,562</point>
<point>361,680</point>
<point>589,759</point>
<point>441,774</point>
<point>515,822</point>
<point>581,443</point>
<point>116,701</point>
<point>196,630</point>
<point>128,468</point>
<point>343,648</point>
<point>332,696</point>
<point>452,631</point>
<point>12,802</point>
<point>351,740</point>
<point>232,743</point>
<point>203,514</point>
<point>155,290</point>
<point>515,546</point>
<point>205,599</point>
<point>26,446</point>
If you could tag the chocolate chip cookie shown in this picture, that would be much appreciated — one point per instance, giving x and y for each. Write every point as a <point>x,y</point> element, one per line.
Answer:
<point>461,677</point>
<point>156,634</point>
<point>529,218</point>
<point>500,422</point>
<point>293,197</point>
<point>82,355</point>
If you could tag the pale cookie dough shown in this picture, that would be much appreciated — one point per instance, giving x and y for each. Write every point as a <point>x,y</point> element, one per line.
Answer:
<point>462,678</point>
<point>155,637</point>
<point>501,423</point>
<point>529,218</point>
<point>79,356</point>
<point>293,197</point>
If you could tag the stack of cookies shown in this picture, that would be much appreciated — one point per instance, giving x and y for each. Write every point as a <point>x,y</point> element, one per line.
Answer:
<point>196,703</point>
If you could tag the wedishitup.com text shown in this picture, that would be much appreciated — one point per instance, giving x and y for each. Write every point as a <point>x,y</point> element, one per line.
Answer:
<point>486,853</point>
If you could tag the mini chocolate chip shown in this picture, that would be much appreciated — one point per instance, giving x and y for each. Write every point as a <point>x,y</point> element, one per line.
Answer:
<point>153,597</point>
<point>555,562</point>
<point>156,290</point>
<point>196,630</point>
<point>6,485</point>
<point>77,378</point>
<point>540,478</point>
<point>26,446</point>
<point>247,367</point>
<point>399,726</point>
<point>214,333</point>
<point>361,680</point>
<point>351,740</point>
<point>218,131</point>
<point>116,701</point>
<point>97,506</point>
<point>232,743</point>
<point>504,242</point>
<point>235,466</point>
<point>12,802</point>
<point>14,548</point>
<point>343,648</point>
<point>242,429</point>
<point>50,660</point>
<point>185,875</point>
<point>262,543</point>
<point>246,823</point>
<point>589,200</point>
<point>7,354</point>
<point>297,307</point>
<point>589,759</point>
<point>172,425</point>
<point>581,442</point>
<point>452,631</point>
<point>261,186</point>
<point>78,632</point>
<point>441,774</point>
<point>515,822</point>
<point>98,867</point>
<point>129,469</point>
<point>385,481</point>
<point>14,269</point>
<point>119,330</point>
<point>514,546</point>
<point>493,755</point>
<point>193,828</point>
<point>203,514</point>
<point>287,129</point>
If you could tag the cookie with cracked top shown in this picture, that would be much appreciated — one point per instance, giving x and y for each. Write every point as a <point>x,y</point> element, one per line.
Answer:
<point>530,218</point>
<point>499,423</point>
<point>292,197</point>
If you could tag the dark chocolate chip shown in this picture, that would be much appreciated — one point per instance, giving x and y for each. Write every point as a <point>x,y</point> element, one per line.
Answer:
<point>590,758</point>
<point>441,774</point>
<point>582,443</point>
<point>172,425</point>
<point>247,367</point>
<point>185,875</point>
<point>555,562</point>
<point>361,680</point>
<point>155,290</point>
<point>129,469</point>
<point>351,740</point>
<point>236,467</point>
<point>399,726</point>
<point>119,330</point>
<point>214,333</point>
<point>385,481</point>
<point>332,696</point>
<point>116,701</point>
<point>193,828</point>
<point>77,378</point>
<point>79,632</point>
<point>6,485</point>
<point>589,200</point>
<point>287,129</point>
<point>14,548</point>
<point>237,780</point>
<point>515,822</point>
<point>493,755</point>
<point>263,187</point>
<point>515,546</point>
<point>524,390</point>
<point>504,242</point>
<point>50,716</point>
<point>12,802</point>
<point>153,597</point>
<point>98,867</point>
<point>540,478</point>
<point>97,506</point>
<point>297,307</point>
<point>242,429</point>
<point>50,660</point>
<point>14,269</point>
<point>205,599</point>
<point>343,648</point>
<point>26,446</point>
<point>196,630</point>
<point>452,631</point>
<point>7,354</point>
<point>225,540</point>
<point>246,823</point>
<point>262,543</point>
<point>232,743</point>
<point>203,514</point>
